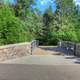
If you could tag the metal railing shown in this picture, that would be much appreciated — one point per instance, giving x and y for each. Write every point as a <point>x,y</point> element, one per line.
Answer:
<point>34,45</point>
<point>68,46</point>
<point>77,50</point>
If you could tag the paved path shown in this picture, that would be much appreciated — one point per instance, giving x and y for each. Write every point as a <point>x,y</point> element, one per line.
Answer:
<point>41,67</point>
<point>48,50</point>
<point>38,72</point>
<point>45,60</point>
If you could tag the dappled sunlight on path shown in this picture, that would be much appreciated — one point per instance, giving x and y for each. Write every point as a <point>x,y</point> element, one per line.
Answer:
<point>47,55</point>
<point>48,50</point>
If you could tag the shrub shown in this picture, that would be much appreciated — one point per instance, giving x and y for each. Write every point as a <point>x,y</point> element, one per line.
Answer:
<point>11,28</point>
<point>64,36</point>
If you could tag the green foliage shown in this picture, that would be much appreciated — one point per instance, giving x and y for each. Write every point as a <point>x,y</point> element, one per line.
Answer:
<point>20,24</point>
<point>22,8</point>
<point>70,25</point>
<point>11,28</point>
<point>33,24</point>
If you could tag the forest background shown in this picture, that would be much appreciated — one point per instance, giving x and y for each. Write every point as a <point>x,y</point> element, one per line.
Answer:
<point>21,23</point>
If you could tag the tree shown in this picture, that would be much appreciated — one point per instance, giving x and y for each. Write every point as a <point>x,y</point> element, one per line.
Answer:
<point>69,19</point>
<point>22,7</point>
<point>11,28</point>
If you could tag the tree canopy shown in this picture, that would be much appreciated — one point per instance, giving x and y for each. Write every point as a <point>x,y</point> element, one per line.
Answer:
<point>18,23</point>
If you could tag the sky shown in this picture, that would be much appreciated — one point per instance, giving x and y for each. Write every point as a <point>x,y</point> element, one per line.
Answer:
<point>10,1</point>
<point>76,2</point>
<point>42,5</point>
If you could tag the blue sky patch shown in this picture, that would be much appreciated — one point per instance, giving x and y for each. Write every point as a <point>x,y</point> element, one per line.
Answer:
<point>12,1</point>
<point>42,5</point>
<point>9,2</point>
<point>76,2</point>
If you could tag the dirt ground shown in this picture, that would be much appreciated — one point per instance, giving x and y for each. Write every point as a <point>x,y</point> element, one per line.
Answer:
<point>48,50</point>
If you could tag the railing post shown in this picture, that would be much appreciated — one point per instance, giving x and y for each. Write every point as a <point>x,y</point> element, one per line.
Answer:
<point>34,44</point>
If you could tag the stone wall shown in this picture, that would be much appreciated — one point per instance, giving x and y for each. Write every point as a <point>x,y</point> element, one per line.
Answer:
<point>14,51</point>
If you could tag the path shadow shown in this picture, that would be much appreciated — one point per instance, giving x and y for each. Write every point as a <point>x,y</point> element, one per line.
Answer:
<point>70,57</point>
<point>77,61</point>
<point>54,49</point>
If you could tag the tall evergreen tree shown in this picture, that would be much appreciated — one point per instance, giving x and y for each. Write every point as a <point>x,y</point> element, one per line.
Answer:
<point>22,7</point>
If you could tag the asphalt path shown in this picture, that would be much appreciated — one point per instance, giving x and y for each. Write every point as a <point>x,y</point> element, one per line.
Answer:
<point>39,72</point>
